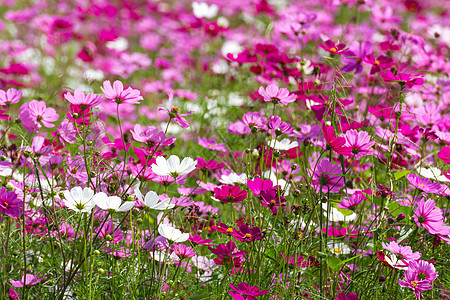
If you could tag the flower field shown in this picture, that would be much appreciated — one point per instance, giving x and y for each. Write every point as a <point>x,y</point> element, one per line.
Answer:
<point>249,150</point>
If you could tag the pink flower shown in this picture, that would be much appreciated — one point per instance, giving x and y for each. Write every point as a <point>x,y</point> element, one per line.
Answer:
<point>117,94</point>
<point>66,132</point>
<point>26,280</point>
<point>359,142</point>
<point>419,276</point>
<point>259,185</point>
<point>349,296</point>
<point>83,101</point>
<point>9,203</point>
<point>230,194</point>
<point>333,142</point>
<point>276,95</point>
<point>211,144</point>
<point>403,255</point>
<point>183,251</point>
<point>35,113</point>
<point>351,201</point>
<point>255,121</point>
<point>198,239</point>
<point>247,234</point>
<point>424,184</point>
<point>444,154</point>
<point>239,128</point>
<point>11,96</point>
<point>150,135</point>
<point>174,114</point>
<point>429,216</point>
<point>324,178</point>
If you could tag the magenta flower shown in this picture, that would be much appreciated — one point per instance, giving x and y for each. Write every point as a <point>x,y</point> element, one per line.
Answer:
<point>11,96</point>
<point>211,144</point>
<point>35,113</point>
<point>325,177</point>
<point>9,203</point>
<point>332,48</point>
<point>255,121</point>
<point>403,79</point>
<point>209,165</point>
<point>353,200</point>
<point>174,114</point>
<point>419,276</point>
<point>247,234</point>
<point>259,185</point>
<point>359,142</point>
<point>381,62</point>
<point>83,101</point>
<point>424,184</point>
<point>183,251</point>
<point>429,216</point>
<point>444,154</point>
<point>198,239</point>
<point>349,296</point>
<point>230,194</point>
<point>274,94</point>
<point>117,94</point>
<point>227,254</point>
<point>333,142</point>
<point>26,280</point>
<point>270,200</point>
<point>243,289</point>
<point>352,58</point>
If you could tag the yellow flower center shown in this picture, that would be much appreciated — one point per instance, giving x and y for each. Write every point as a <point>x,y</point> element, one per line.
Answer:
<point>230,230</point>
<point>337,250</point>
<point>248,236</point>
<point>414,283</point>
<point>377,63</point>
<point>333,50</point>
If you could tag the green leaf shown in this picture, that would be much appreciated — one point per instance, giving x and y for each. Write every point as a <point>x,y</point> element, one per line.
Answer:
<point>405,232</point>
<point>333,262</point>
<point>400,174</point>
<point>345,212</point>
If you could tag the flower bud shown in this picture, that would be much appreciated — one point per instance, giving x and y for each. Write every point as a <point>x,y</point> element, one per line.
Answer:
<point>400,217</point>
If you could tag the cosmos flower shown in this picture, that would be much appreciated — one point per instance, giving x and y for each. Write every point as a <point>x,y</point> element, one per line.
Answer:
<point>358,142</point>
<point>419,276</point>
<point>429,216</point>
<point>245,292</point>
<point>247,234</point>
<point>82,101</point>
<point>36,114</point>
<point>183,251</point>
<point>403,79</point>
<point>150,135</point>
<point>211,144</point>
<point>230,194</point>
<point>274,94</point>
<point>332,47</point>
<point>116,93</point>
<point>172,166</point>
<point>424,184</point>
<point>172,234</point>
<point>11,96</point>
<point>27,280</point>
<point>339,248</point>
<point>9,203</point>
<point>326,177</point>
<point>112,203</point>
<point>174,113</point>
<point>282,145</point>
<point>79,200</point>
<point>353,200</point>
<point>152,201</point>
<point>444,154</point>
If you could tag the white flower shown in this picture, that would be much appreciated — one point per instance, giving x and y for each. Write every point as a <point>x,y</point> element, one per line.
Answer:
<point>305,67</point>
<point>113,203</point>
<point>151,200</point>
<point>164,256</point>
<point>203,10</point>
<point>173,167</point>
<point>432,173</point>
<point>276,181</point>
<point>172,234</point>
<point>233,178</point>
<point>335,215</point>
<point>285,144</point>
<point>339,248</point>
<point>79,200</point>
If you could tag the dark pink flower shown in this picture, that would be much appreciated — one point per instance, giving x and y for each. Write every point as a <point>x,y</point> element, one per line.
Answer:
<point>353,200</point>
<point>174,114</point>
<point>270,199</point>
<point>116,93</point>
<point>183,251</point>
<point>381,62</point>
<point>11,96</point>
<point>209,165</point>
<point>13,294</point>
<point>247,234</point>
<point>67,132</point>
<point>227,254</point>
<point>198,239</point>
<point>424,184</point>
<point>259,185</point>
<point>333,142</point>
<point>403,79</point>
<point>245,292</point>
<point>26,280</point>
<point>83,101</point>
<point>444,154</point>
<point>277,126</point>
<point>429,216</point>
<point>255,121</point>
<point>35,114</point>
<point>150,135</point>
<point>274,94</point>
<point>239,128</point>
<point>230,194</point>
<point>349,296</point>
<point>332,48</point>
<point>9,203</point>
